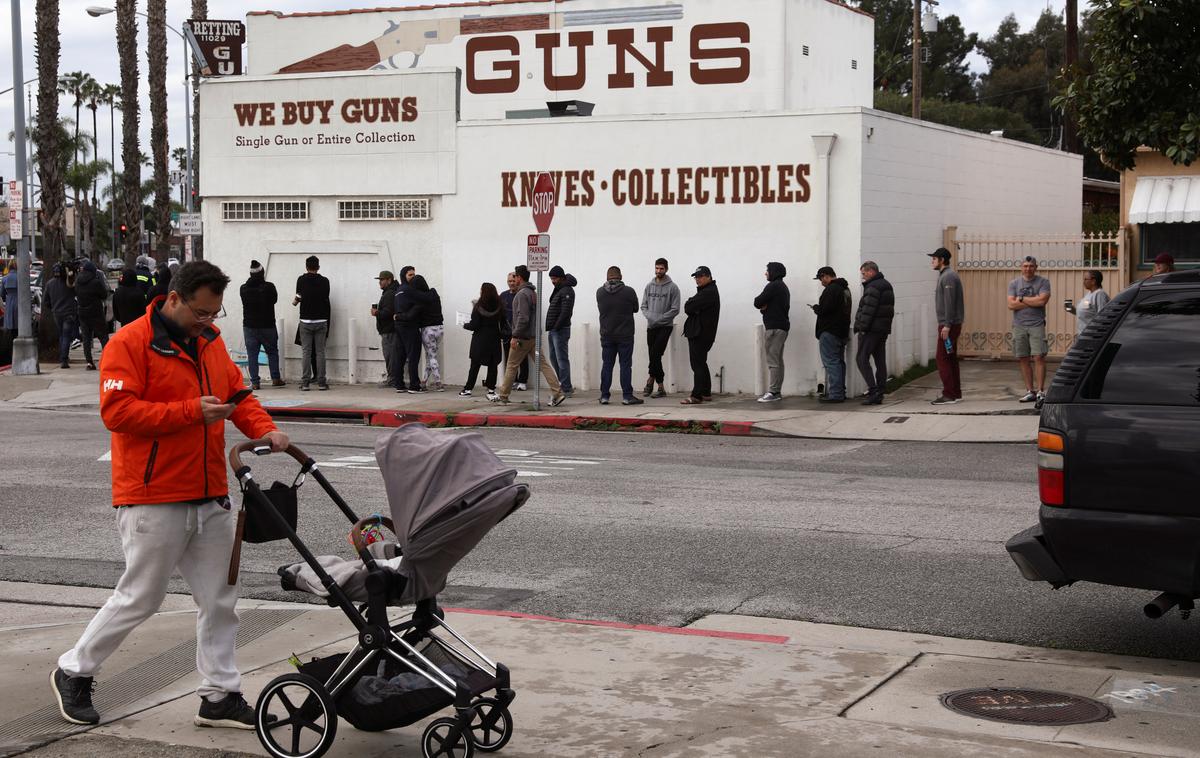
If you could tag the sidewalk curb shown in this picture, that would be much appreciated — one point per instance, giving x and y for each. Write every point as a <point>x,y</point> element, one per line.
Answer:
<point>395,418</point>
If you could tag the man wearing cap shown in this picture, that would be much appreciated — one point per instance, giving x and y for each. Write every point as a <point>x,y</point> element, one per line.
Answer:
<point>258,324</point>
<point>775,303</point>
<point>833,330</point>
<point>1164,263</point>
<point>558,325</point>
<point>703,311</point>
<point>386,325</point>
<point>948,305</point>
<point>1027,298</point>
<point>312,295</point>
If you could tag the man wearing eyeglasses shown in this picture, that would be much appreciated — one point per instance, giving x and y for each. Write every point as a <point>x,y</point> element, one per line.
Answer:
<point>165,385</point>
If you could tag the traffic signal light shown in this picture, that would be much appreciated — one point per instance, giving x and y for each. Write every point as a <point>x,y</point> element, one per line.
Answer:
<point>121,233</point>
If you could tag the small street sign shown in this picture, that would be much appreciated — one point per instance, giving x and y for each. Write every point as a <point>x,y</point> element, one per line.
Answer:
<point>176,177</point>
<point>538,255</point>
<point>189,224</point>
<point>543,202</point>
<point>16,206</point>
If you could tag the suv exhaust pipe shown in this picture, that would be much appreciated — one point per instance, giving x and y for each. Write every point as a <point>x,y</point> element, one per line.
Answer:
<point>1159,606</point>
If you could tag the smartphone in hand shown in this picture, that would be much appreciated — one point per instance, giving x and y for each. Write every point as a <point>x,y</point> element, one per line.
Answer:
<point>238,396</point>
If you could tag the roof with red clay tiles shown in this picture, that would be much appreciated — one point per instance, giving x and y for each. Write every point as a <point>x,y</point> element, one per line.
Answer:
<point>440,6</point>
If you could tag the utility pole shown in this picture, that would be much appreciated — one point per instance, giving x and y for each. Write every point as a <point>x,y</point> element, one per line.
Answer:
<point>1070,137</point>
<point>24,358</point>
<point>916,63</point>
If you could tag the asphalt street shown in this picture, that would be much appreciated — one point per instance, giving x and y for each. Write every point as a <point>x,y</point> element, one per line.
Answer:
<point>651,528</point>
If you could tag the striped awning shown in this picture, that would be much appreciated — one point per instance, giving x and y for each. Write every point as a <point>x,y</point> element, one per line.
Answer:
<point>1165,200</point>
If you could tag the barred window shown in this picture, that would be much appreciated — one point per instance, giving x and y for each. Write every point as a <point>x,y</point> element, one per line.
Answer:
<point>265,210</point>
<point>409,209</point>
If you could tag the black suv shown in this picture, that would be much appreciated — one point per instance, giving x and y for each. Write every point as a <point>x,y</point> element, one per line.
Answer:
<point>1119,451</point>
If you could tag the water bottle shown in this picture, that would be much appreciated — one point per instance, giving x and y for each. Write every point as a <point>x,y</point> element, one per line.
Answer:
<point>949,346</point>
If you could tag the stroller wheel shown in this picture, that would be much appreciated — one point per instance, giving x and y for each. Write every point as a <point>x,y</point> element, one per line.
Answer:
<point>305,718</point>
<point>491,724</point>
<point>444,739</point>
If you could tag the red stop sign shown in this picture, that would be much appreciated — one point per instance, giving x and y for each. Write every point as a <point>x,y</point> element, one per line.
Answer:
<point>543,202</point>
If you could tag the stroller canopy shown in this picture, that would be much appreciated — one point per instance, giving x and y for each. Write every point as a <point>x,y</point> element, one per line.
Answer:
<point>445,492</point>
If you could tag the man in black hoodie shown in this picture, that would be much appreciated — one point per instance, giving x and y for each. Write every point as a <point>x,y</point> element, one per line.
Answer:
<point>617,304</point>
<point>558,325</point>
<point>775,302</point>
<point>312,295</point>
<point>60,300</point>
<point>91,291</point>
<point>386,325</point>
<point>407,318</point>
<point>873,324</point>
<point>833,329</point>
<point>258,324</point>
<point>703,311</point>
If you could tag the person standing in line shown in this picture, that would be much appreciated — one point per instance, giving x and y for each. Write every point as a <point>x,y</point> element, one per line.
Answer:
<point>144,269</point>
<point>950,310</point>
<point>162,282</point>
<point>386,325</point>
<point>1091,303</point>
<point>660,305</point>
<point>873,324</point>
<point>431,325</point>
<point>258,324</point>
<point>1027,298</point>
<point>617,304</point>
<point>703,311</point>
<point>91,291</point>
<point>487,319</point>
<point>129,304</point>
<point>833,330</point>
<point>170,491</point>
<point>558,325</point>
<point>1164,263</point>
<point>60,300</point>
<point>8,289</point>
<point>408,333</point>
<point>312,295</point>
<point>775,303</point>
<point>522,341</point>
<point>506,297</point>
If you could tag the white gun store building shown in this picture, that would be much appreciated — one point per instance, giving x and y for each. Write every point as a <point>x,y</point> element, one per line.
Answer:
<point>720,134</point>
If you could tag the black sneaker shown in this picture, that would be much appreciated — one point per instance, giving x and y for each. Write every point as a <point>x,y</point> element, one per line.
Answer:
<point>632,400</point>
<point>231,711</point>
<point>323,387</point>
<point>74,695</point>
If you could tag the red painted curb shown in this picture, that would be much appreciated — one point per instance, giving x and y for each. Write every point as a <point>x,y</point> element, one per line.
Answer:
<point>773,639</point>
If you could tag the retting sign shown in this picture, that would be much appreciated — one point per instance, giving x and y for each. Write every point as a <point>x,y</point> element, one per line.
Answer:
<point>218,45</point>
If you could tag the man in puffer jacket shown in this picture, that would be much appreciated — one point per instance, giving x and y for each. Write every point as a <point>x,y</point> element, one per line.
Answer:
<point>164,383</point>
<point>873,324</point>
<point>558,324</point>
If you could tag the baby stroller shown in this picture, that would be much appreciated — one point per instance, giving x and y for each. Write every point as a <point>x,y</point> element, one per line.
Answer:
<point>445,492</point>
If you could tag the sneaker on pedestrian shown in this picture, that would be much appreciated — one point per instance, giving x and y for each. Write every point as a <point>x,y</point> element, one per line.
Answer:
<point>632,400</point>
<point>708,398</point>
<point>649,387</point>
<point>943,400</point>
<point>770,397</point>
<point>231,711</point>
<point>660,392</point>
<point>402,389</point>
<point>304,386</point>
<point>415,390</point>
<point>1041,396</point>
<point>558,399</point>
<point>91,367</point>
<point>465,393</point>
<point>520,387</point>
<point>604,400</point>
<point>74,696</point>
<point>254,386</point>
<point>831,400</point>
<point>491,395</point>
<point>498,399</point>
<point>1029,397</point>
<point>64,364</point>
<point>278,383</point>
<point>322,386</point>
<point>438,387</point>
<point>873,400</point>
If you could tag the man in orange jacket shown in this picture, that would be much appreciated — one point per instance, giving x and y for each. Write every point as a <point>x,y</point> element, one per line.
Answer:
<point>164,385</point>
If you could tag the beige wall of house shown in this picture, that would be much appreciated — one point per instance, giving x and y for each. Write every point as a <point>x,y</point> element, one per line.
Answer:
<point>1149,163</point>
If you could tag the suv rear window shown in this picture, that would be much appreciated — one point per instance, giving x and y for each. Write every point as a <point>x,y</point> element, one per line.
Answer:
<point>1154,356</point>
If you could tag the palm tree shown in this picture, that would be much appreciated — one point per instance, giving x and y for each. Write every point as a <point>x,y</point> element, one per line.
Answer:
<point>74,84</point>
<point>199,11</point>
<point>156,56</point>
<point>131,177</point>
<point>110,96</point>
<point>49,172</point>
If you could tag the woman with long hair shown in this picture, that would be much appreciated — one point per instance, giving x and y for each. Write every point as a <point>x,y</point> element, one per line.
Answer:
<point>487,317</point>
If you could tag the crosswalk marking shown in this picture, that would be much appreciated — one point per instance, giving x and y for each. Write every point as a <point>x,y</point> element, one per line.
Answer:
<point>529,463</point>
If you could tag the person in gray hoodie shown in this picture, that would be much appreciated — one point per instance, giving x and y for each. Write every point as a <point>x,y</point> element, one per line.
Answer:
<point>660,305</point>
<point>522,342</point>
<point>617,304</point>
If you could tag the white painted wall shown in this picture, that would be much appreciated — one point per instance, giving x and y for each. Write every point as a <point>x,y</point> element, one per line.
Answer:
<point>780,78</point>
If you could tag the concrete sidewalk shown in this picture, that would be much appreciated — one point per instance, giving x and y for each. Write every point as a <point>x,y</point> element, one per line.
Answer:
<point>724,686</point>
<point>989,412</point>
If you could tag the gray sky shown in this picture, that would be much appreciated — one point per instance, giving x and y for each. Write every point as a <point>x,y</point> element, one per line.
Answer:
<point>88,44</point>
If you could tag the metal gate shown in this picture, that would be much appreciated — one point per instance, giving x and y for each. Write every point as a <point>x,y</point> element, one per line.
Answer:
<point>987,264</point>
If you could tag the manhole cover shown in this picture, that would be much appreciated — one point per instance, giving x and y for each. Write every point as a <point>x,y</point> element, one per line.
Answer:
<point>1020,706</point>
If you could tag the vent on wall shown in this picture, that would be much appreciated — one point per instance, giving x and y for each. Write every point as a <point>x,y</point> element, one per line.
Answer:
<point>854,64</point>
<point>409,209</point>
<point>804,49</point>
<point>264,210</point>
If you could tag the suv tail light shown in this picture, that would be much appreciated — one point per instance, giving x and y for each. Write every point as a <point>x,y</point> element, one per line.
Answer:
<point>1052,450</point>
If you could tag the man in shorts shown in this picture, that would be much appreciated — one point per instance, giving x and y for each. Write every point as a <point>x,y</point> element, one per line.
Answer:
<point>1027,298</point>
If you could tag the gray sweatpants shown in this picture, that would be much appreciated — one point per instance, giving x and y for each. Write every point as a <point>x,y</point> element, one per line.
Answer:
<point>157,540</point>
<point>774,347</point>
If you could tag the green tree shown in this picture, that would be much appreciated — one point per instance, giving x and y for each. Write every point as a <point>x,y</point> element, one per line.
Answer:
<point>50,174</point>
<point>1140,87</point>
<point>969,116</point>
<point>1022,71</point>
<point>945,74</point>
